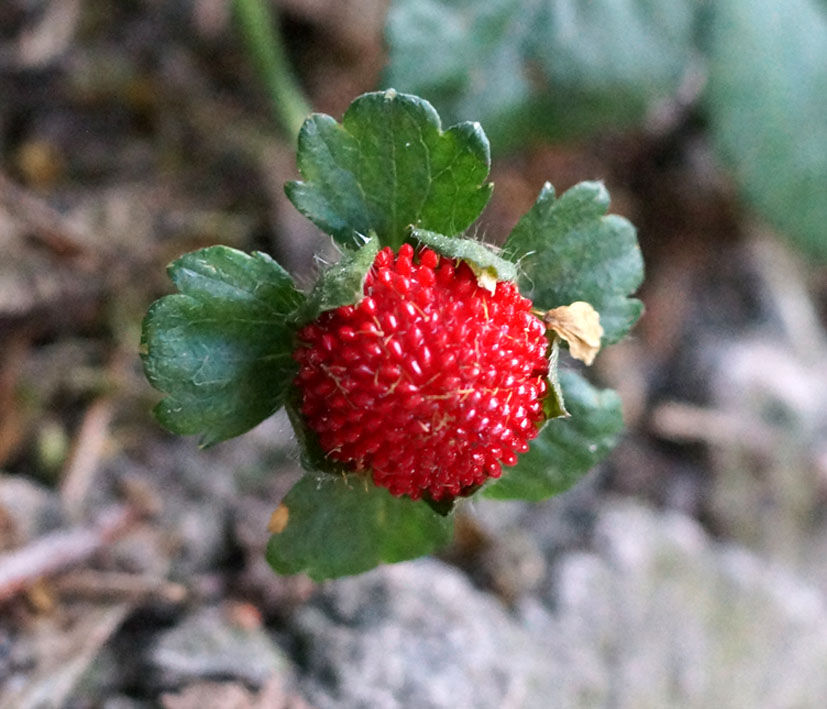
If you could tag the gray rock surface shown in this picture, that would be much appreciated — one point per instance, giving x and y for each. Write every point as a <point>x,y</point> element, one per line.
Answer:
<point>27,510</point>
<point>669,618</point>
<point>770,454</point>
<point>210,644</point>
<point>655,614</point>
<point>413,635</point>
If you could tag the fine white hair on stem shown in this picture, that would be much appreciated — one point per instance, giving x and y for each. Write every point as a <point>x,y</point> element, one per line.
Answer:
<point>523,274</point>
<point>478,233</point>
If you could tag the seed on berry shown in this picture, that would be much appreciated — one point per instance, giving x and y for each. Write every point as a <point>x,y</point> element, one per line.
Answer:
<point>431,383</point>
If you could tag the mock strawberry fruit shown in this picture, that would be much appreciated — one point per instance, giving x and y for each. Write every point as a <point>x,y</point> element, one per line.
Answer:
<point>430,382</point>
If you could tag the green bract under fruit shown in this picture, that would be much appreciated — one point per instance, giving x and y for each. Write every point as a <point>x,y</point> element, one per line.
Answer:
<point>417,366</point>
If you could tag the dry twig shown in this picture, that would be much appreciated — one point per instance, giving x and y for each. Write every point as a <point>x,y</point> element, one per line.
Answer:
<point>12,426</point>
<point>119,586</point>
<point>79,473</point>
<point>49,227</point>
<point>42,44</point>
<point>675,421</point>
<point>60,550</point>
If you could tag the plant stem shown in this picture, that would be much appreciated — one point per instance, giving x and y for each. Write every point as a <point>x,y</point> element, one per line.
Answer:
<point>264,43</point>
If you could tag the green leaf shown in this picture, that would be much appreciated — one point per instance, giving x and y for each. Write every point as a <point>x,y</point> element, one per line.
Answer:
<point>481,257</point>
<point>568,249</point>
<point>553,69</point>
<point>340,284</point>
<point>387,166</point>
<point>222,347</point>
<point>338,526</point>
<point>567,448</point>
<point>767,101</point>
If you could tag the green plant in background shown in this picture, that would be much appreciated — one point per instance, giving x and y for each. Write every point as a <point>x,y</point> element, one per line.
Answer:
<point>257,26</point>
<point>415,367</point>
<point>548,69</point>
<point>562,68</point>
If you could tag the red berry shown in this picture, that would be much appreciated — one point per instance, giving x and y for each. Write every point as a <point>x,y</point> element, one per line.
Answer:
<point>431,382</point>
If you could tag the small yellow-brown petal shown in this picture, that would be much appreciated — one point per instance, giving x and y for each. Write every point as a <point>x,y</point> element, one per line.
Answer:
<point>579,325</point>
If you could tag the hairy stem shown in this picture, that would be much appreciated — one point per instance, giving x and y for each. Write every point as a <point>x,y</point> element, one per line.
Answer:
<point>264,43</point>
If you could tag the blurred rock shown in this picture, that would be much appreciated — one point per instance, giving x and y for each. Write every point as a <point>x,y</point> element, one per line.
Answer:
<point>215,643</point>
<point>670,618</point>
<point>506,547</point>
<point>232,695</point>
<point>768,492</point>
<point>122,702</point>
<point>200,538</point>
<point>417,635</point>
<point>52,659</point>
<point>27,510</point>
<point>655,615</point>
<point>145,550</point>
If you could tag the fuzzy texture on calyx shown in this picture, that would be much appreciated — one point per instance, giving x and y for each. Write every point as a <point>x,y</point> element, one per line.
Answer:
<point>430,383</point>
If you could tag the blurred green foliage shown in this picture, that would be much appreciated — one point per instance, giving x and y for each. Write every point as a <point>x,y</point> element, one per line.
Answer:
<point>767,107</point>
<point>559,69</point>
<point>343,525</point>
<point>553,69</point>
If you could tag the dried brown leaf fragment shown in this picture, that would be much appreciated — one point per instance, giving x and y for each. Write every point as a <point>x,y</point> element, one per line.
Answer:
<point>579,325</point>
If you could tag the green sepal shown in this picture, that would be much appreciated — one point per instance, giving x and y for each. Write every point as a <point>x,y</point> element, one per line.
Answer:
<point>554,405</point>
<point>442,507</point>
<point>221,348</point>
<point>566,448</point>
<point>569,249</point>
<point>340,284</point>
<point>446,505</point>
<point>483,260</point>
<point>337,526</point>
<point>388,165</point>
